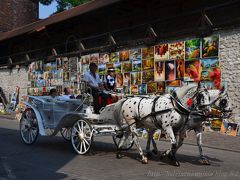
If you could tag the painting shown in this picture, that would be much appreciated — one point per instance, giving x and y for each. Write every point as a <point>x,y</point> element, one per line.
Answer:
<point>102,69</point>
<point>175,83</point>
<point>124,55</point>
<point>126,79</point>
<point>114,57</point>
<point>148,64</point>
<point>161,52</point>
<point>176,50</point>
<point>127,66</point>
<point>85,59</point>
<point>179,69</point>
<point>136,54</point>
<point>192,49</point>
<point>136,78</point>
<point>117,67</point>
<point>192,70</point>
<point>134,89</point>
<point>119,80</point>
<point>137,65</point>
<point>148,53</point>
<point>210,46</point>
<point>151,87</point>
<point>209,63</point>
<point>103,58</point>
<point>160,87</point>
<point>142,89</point>
<point>159,71</point>
<point>147,76</point>
<point>229,128</point>
<point>170,70</point>
<point>94,58</point>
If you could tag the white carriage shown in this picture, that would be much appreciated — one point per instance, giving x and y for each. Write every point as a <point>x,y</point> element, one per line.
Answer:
<point>73,118</point>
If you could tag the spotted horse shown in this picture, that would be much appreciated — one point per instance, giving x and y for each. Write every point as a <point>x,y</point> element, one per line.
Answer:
<point>221,108</point>
<point>156,113</point>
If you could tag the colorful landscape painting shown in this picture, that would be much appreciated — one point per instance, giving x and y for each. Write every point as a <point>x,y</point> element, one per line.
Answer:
<point>192,49</point>
<point>210,46</point>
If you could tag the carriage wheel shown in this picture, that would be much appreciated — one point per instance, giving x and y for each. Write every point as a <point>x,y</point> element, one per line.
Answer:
<point>66,133</point>
<point>81,136</point>
<point>128,143</point>
<point>29,127</point>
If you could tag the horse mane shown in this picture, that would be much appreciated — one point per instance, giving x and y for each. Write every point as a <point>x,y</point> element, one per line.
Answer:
<point>182,91</point>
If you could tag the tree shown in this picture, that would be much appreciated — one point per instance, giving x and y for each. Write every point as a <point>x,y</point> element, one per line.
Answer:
<point>63,4</point>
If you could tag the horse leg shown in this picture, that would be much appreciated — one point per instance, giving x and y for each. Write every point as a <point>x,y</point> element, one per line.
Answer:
<point>150,137</point>
<point>155,149</point>
<point>203,159</point>
<point>149,140</point>
<point>121,142</point>
<point>171,153</point>
<point>133,130</point>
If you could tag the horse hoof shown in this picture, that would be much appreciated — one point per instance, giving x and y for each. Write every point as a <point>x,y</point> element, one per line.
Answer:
<point>176,163</point>
<point>149,155</point>
<point>154,151</point>
<point>144,160</point>
<point>163,155</point>
<point>204,161</point>
<point>119,155</point>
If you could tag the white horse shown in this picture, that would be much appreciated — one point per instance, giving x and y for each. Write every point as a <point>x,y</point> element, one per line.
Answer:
<point>219,100</point>
<point>162,112</point>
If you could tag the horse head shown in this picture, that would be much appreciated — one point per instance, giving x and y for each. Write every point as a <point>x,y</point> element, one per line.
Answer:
<point>201,100</point>
<point>224,103</point>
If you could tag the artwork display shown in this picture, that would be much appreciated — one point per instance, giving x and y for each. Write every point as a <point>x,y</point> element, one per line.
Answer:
<point>149,70</point>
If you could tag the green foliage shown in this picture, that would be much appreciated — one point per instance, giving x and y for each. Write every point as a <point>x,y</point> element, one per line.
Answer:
<point>63,4</point>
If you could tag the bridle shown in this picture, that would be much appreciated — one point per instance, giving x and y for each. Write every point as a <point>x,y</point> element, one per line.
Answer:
<point>196,95</point>
<point>221,105</point>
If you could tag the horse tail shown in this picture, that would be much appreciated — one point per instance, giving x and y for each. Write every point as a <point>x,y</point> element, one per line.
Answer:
<point>117,114</point>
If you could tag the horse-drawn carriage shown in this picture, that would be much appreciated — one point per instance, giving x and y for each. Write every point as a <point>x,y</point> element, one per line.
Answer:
<point>76,122</point>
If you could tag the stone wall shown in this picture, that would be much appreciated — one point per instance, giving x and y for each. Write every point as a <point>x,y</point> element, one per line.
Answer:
<point>16,13</point>
<point>9,79</point>
<point>230,60</point>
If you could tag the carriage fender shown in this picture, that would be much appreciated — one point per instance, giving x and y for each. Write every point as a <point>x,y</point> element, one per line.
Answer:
<point>69,119</point>
<point>39,118</point>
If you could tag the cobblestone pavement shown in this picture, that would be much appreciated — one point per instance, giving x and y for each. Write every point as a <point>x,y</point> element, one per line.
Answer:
<point>53,158</point>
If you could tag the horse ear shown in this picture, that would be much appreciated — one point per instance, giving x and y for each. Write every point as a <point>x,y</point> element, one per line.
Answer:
<point>223,89</point>
<point>199,85</point>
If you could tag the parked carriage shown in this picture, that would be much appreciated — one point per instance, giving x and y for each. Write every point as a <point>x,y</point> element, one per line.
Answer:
<point>73,118</point>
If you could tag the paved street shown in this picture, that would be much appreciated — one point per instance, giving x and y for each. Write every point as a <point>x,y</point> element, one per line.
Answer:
<point>53,158</point>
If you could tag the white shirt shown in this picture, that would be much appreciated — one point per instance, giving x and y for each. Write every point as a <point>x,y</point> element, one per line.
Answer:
<point>92,81</point>
<point>64,97</point>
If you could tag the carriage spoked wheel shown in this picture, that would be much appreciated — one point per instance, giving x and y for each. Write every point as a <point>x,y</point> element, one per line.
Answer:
<point>29,127</point>
<point>127,144</point>
<point>81,136</point>
<point>66,133</point>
